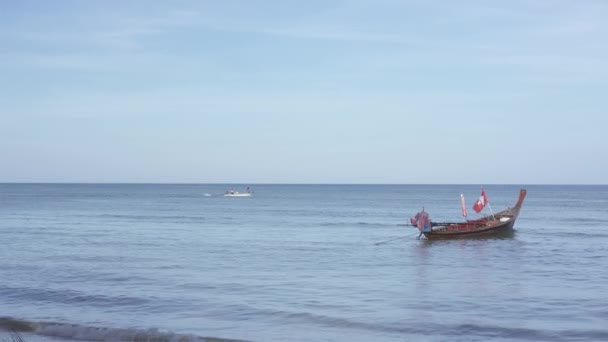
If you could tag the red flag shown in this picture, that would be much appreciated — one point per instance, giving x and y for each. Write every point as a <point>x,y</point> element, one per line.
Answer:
<point>481,202</point>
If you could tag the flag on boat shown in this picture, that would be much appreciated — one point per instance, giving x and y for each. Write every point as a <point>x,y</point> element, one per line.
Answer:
<point>464,207</point>
<point>481,202</point>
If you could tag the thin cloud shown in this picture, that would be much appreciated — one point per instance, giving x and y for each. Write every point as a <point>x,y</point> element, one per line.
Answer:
<point>333,35</point>
<point>118,31</point>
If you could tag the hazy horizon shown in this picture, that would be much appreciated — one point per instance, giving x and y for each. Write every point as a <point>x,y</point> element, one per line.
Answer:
<point>321,92</point>
<point>254,184</point>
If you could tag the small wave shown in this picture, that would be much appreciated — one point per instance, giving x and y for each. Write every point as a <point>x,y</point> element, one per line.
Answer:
<point>579,233</point>
<point>528,333</point>
<point>152,218</point>
<point>585,221</point>
<point>91,333</point>
<point>69,297</point>
<point>450,331</point>
<point>351,224</point>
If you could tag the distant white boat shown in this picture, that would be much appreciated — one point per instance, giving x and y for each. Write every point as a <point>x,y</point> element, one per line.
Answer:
<point>238,194</point>
<point>233,193</point>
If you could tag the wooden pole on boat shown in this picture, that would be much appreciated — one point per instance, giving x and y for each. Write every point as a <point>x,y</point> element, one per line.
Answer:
<point>397,238</point>
<point>491,211</point>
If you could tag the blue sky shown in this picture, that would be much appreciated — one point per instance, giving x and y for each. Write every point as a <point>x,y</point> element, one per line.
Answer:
<point>382,91</point>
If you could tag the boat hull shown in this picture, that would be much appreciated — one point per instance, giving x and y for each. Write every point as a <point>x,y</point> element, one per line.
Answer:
<point>499,230</point>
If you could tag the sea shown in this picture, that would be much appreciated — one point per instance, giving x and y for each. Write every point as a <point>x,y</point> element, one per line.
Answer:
<point>181,262</point>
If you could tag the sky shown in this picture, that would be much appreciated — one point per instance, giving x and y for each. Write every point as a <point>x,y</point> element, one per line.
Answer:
<point>413,92</point>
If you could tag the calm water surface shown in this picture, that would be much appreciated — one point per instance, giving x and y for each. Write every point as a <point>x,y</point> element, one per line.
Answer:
<point>298,263</point>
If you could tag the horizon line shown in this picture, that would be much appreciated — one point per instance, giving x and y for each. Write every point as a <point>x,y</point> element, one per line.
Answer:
<point>264,183</point>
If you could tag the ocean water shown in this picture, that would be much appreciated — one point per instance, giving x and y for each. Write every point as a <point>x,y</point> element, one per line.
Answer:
<point>298,263</point>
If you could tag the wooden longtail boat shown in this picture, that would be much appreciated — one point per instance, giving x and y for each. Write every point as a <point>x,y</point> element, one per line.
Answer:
<point>493,225</point>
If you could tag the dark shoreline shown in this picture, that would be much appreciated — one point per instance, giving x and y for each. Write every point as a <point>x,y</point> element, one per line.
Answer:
<point>76,332</point>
